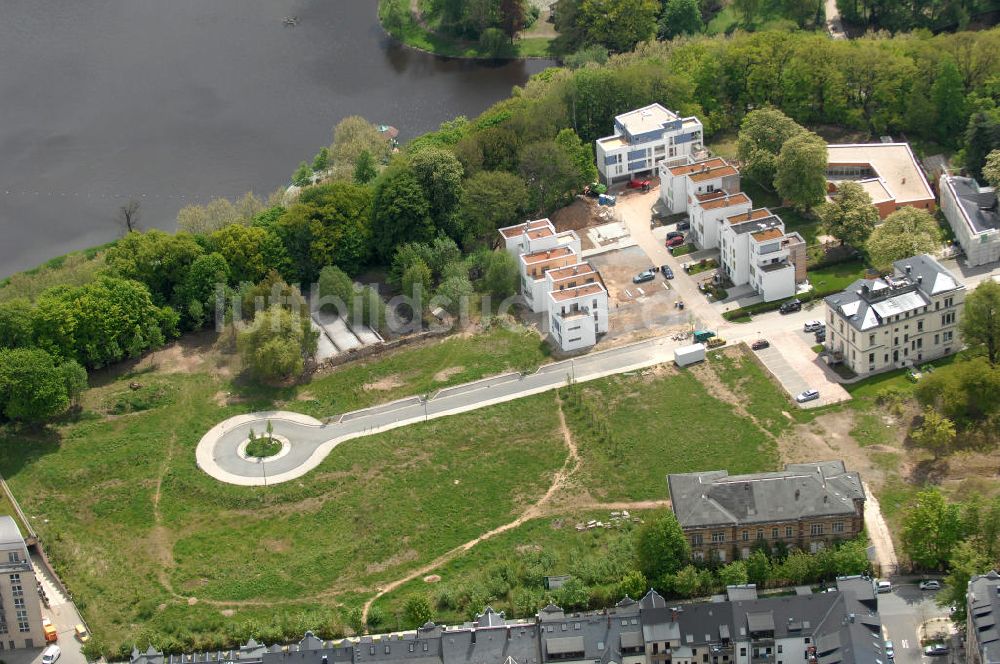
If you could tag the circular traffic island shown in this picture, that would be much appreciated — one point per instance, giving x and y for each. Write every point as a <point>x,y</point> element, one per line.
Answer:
<point>263,447</point>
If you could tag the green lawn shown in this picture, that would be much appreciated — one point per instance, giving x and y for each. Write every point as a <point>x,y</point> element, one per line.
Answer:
<point>668,424</point>
<point>723,144</point>
<point>760,196</point>
<point>451,361</point>
<point>836,277</point>
<point>74,269</point>
<point>155,550</point>
<point>807,227</point>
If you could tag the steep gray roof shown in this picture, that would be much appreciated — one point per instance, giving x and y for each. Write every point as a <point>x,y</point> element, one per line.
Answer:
<point>10,534</point>
<point>715,498</point>
<point>979,204</point>
<point>984,612</point>
<point>868,303</point>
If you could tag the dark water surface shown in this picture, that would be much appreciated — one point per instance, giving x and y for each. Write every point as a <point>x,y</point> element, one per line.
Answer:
<point>179,101</point>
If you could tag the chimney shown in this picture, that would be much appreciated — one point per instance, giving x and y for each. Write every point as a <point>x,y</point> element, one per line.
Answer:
<point>909,268</point>
<point>673,614</point>
<point>796,494</point>
<point>920,278</point>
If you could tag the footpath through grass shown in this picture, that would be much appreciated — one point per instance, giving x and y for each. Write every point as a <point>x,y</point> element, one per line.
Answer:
<point>155,551</point>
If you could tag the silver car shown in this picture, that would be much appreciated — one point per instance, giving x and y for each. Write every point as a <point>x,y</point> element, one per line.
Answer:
<point>808,395</point>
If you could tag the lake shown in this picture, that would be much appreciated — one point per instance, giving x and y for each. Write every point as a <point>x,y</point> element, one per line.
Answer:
<point>180,101</point>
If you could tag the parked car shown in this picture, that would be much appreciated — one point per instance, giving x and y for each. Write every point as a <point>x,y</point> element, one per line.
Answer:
<point>931,650</point>
<point>82,633</point>
<point>666,272</point>
<point>790,306</point>
<point>808,395</point>
<point>930,584</point>
<point>760,344</point>
<point>672,234</point>
<point>636,183</point>
<point>812,326</point>
<point>820,336</point>
<point>644,276</point>
<point>884,586</point>
<point>51,654</point>
<point>683,225</point>
<point>675,241</point>
<point>715,342</point>
<point>890,650</point>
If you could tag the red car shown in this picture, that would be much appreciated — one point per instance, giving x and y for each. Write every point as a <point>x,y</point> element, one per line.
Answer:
<point>639,184</point>
<point>675,241</point>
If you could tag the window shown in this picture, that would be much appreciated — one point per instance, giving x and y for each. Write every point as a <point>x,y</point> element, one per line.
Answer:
<point>816,529</point>
<point>745,535</point>
<point>947,336</point>
<point>871,358</point>
<point>936,339</point>
<point>696,540</point>
<point>920,326</point>
<point>743,652</point>
<point>12,557</point>
<point>838,527</point>
<point>760,533</point>
<point>774,533</point>
<point>788,531</point>
<point>948,301</point>
<point>22,621</point>
<point>779,648</point>
<point>719,537</point>
<point>871,339</point>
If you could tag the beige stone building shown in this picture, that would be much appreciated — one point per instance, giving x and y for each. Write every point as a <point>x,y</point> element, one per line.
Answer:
<point>896,321</point>
<point>807,506</point>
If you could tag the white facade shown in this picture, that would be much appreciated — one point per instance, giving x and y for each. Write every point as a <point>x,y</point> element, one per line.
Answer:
<point>754,249</point>
<point>896,321</point>
<point>708,214</point>
<point>643,139</point>
<point>578,315</point>
<point>681,184</point>
<point>971,211</point>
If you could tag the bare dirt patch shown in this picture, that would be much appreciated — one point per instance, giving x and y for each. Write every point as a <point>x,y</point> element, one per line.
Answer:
<point>276,546</point>
<point>578,216</point>
<point>829,437</point>
<point>432,578</point>
<point>228,613</point>
<point>398,559</point>
<point>385,384</point>
<point>445,374</point>
<point>305,395</point>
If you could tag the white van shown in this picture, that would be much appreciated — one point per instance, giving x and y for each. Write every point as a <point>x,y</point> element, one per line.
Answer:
<point>884,586</point>
<point>51,654</point>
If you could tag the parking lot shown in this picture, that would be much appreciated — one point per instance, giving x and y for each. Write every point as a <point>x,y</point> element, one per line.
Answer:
<point>636,306</point>
<point>903,611</point>
<point>792,361</point>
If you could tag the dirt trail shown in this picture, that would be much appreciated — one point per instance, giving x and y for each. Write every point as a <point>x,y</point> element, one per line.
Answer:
<point>160,536</point>
<point>878,531</point>
<point>569,467</point>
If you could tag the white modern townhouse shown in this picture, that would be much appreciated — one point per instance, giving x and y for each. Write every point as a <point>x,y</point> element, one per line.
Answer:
<point>708,214</point>
<point>643,139</point>
<point>680,184</point>
<point>755,249</point>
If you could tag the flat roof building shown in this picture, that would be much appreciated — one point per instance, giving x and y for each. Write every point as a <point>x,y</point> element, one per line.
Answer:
<point>972,213</point>
<point>983,619</point>
<point>889,172</point>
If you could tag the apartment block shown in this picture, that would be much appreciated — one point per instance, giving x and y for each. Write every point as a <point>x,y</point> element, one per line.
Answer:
<point>578,306</point>
<point>681,184</point>
<point>889,172</point>
<point>982,628</point>
<point>971,211</point>
<point>20,611</point>
<point>837,627</point>
<point>557,283</point>
<point>807,506</point>
<point>754,249</point>
<point>643,139</point>
<point>898,320</point>
<point>708,213</point>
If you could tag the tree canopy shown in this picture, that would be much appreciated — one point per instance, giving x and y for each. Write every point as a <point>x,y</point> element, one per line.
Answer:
<point>849,216</point>
<point>661,547</point>
<point>801,170</point>
<point>980,323</point>
<point>904,233</point>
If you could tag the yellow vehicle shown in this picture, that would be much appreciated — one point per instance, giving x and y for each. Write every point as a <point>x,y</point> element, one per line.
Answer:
<point>82,633</point>
<point>715,342</point>
<point>51,636</point>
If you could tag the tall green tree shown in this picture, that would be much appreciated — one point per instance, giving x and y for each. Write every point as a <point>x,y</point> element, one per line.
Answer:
<point>365,168</point>
<point>969,558</point>
<point>982,136</point>
<point>500,275</point>
<point>619,24</point>
<point>763,132</point>
<point>936,433</point>
<point>159,260</point>
<point>991,169</point>
<point>15,323</point>
<point>980,324</point>
<point>580,153</point>
<point>948,97</point>
<point>550,173</point>
<point>417,612</point>
<point>849,216</point>
<point>490,200</point>
<point>440,175</point>
<point>660,545</point>
<point>680,17</point>
<point>32,386</point>
<point>275,345</point>
<point>302,177</point>
<point>904,233</point>
<point>931,529</point>
<point>801,173</point>
<point>400,211</point>
<point>513,17</point>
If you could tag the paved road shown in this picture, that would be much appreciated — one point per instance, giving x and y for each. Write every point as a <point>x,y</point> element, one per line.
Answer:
<point>218,451</point>
<point>902,612</point>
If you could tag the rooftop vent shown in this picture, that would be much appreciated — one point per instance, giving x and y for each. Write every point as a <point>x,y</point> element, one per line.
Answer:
<point>987,199</point>
<point>909,268</point>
